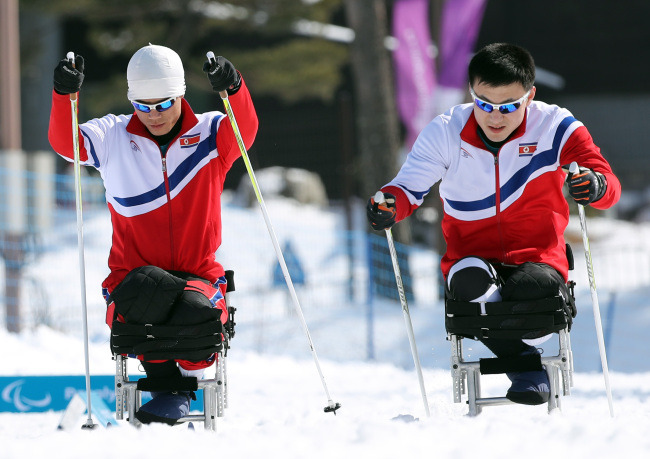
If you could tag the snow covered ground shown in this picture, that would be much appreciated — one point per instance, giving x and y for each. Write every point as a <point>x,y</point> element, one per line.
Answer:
<point>276,399</point>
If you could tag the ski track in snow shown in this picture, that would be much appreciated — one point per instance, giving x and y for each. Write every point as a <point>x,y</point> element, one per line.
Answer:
<point>276,410</point>
<point>276,398</point>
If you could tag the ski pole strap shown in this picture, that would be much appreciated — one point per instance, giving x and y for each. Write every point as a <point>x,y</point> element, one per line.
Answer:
<point>163,342</point>
<point>186,383</point>
<point>499,365</point>
<point>506,319</point>
<point>149,331</point>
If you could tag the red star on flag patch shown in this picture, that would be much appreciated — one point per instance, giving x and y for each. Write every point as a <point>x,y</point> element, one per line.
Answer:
<point>189,140</point>
<point>527,149</point>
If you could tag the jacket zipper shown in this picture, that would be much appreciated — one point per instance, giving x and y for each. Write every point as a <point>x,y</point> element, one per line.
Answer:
<point>498,206</point>
<point>169,206</point>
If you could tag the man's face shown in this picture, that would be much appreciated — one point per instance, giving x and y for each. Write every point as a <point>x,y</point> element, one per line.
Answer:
<point>496,125</point>
<point>160,123</point>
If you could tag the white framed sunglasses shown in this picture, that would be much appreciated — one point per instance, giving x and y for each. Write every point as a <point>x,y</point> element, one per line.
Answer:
<point>160,106</point>
<point>503,108</point>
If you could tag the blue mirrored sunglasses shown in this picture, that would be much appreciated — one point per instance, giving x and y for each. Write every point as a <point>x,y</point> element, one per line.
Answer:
<point>503,108</point>
<point>161,106</point>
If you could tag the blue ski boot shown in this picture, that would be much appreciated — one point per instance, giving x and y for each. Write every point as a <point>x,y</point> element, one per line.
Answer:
<point>165,407</point>
<point>528,387</point>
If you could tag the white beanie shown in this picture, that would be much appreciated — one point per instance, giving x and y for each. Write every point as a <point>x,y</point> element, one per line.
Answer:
<point>155,72</point>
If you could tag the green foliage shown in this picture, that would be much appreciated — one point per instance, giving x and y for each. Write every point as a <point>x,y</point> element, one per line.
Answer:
<point>256,35</point>
<point>297,69</point>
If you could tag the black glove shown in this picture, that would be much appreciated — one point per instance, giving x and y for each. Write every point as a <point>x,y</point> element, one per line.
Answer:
<point>222,75</point>
<point>586,186</point>
<point>381,216</point>
<point>68,79</point>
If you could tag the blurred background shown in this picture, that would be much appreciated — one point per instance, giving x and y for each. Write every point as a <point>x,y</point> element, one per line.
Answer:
<point>341,87</point>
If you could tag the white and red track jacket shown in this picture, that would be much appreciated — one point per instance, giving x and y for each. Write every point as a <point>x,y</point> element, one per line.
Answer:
<point>507,208</point>
<point>165,210</point>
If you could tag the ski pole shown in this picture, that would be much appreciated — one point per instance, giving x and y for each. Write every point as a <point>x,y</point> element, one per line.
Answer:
<point>379,198</point>
<point>331,406</point>
<point>80,242</point>
<point>573,169</point>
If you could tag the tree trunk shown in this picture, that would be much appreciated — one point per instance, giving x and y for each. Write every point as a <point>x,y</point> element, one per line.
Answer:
<point>376,112</point>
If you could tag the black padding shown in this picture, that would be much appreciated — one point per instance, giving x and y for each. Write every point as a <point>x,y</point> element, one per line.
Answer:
<point>147,295</point>
<point>193,354</point>
<point>161,342</point>
<point>569,257</point>
<point>166,346</point>
<point>167,369</point>
<point>536,301</point>
<point>467,308</point>
<point>167,331</point>
<point>163,319</point>
<point>507,347</point>
<point>493,366</point>
<point>136,344</point>
<point>506,319</point>
<point>189,383</point>
<point>507,334</point>
<point>532,281</point>
<point>193,308</point>
<point>528,322</point>
<point>230,280</point>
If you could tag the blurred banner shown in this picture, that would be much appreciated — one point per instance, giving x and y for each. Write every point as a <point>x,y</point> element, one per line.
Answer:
<point>30,394</point>
<point>414,63</point>
<point>460,24</point>
<point>419,96</point>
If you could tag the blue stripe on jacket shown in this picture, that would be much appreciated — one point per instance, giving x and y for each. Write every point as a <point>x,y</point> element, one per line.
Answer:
<point>202,151</point>
<point>521,177</point>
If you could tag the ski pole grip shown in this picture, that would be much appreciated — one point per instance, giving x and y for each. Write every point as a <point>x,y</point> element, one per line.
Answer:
<point>573,167</point>
<point>211,58</point>
<point>379,197</point>
<point>70,57</point>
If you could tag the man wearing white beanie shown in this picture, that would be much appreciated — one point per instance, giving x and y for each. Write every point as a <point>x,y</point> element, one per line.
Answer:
<point>163,168</point>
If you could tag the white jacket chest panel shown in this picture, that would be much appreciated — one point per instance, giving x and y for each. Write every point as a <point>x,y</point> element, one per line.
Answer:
<point>132,166</point>
<point>476,183</point>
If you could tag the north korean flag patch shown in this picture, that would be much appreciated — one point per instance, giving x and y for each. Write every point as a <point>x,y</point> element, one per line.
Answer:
<point>188,141</point>
<point>527,149</point>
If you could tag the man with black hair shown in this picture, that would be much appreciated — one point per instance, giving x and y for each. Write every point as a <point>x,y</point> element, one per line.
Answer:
<point>499,162</point>
<point>163,168</point>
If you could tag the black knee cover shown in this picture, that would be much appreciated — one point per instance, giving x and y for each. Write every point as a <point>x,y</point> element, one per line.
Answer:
<point>472,279</point>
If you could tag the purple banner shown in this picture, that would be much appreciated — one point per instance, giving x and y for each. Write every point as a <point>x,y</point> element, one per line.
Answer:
<point>461,21</point>
<point>414,66</point>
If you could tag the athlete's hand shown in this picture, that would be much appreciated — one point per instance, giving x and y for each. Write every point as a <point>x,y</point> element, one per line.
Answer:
<point>222,75</point>
<point>381,215</point>
<point>68,78</point>
<point>586,186</point>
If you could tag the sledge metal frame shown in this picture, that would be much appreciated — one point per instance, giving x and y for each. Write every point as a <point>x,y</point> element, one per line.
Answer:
<point>215,390</point>
<point>215,394</point>
<point>466,376</point>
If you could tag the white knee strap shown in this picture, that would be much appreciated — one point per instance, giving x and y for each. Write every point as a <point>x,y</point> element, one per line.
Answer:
<point>198,374</point>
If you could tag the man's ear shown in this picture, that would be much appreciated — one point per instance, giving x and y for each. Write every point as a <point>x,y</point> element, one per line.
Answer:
<point>533,90</point>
